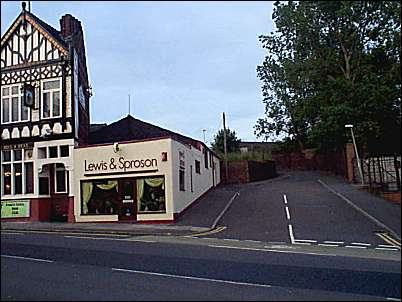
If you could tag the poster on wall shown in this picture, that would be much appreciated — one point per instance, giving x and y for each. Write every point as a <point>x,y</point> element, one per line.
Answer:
<point>14,209</point>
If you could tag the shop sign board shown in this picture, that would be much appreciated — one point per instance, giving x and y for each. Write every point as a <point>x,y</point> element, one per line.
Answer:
<point>17,146</point>
<point>15,209</point>
<point>120,164</point>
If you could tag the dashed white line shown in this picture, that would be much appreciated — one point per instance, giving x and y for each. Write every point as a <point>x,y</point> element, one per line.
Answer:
<point>386,249</point>
<point>285,199</point>
<point>27,258</point>
<point>393,299</point>
<point>384,245</point>
<point>228,239</point>
<point>191,278</point>
<point>7,233</point>
<point>356,247</point>
<point>359,243</point>
<point>334,242</point>
<point>287,213</point>
<point>323,244</point>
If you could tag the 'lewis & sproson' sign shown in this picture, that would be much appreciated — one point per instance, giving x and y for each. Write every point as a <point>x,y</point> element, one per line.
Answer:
<point>120,165</point>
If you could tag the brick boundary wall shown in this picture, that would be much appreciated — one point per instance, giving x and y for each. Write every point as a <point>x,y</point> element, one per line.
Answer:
<point>246,171</point>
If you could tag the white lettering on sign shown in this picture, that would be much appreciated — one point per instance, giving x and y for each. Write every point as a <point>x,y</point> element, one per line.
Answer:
<point>120,164</point>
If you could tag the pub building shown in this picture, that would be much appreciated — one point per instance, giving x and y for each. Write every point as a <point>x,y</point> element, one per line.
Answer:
<point>55,166</point>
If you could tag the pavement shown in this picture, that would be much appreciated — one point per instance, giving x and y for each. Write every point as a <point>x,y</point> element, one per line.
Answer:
<point>257,216</point>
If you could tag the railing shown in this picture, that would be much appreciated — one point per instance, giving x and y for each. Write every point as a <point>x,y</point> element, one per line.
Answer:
<point>382,172</point>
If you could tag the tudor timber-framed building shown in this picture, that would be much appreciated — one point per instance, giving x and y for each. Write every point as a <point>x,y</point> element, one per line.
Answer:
<point>44,115</point>
<point>54,168</point>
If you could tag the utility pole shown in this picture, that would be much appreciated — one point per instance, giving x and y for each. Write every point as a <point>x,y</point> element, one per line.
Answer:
<point>129,105</point>
<point>225,148</point>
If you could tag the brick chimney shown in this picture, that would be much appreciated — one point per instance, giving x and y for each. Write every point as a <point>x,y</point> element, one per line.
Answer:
<point>69,25</point>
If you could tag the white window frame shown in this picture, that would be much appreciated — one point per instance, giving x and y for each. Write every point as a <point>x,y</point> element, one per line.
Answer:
<point>43,91</point>
<point>65,179</point>
<point>9,97</point>
<point>12,161</point>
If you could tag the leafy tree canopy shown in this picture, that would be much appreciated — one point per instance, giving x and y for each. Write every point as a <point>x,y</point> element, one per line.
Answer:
<point>232,142</point>
<point>332,63</point>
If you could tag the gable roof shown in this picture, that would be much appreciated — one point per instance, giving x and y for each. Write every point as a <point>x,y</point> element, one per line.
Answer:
<point>48,31</point>
<point>132,129</point>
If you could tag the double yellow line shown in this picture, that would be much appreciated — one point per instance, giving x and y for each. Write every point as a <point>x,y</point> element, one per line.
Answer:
<point>214,231</point>
<point>389,239</point>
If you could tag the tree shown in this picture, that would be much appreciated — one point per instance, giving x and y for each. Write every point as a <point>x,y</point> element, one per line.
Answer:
<point>329,64</point>
<point>232,142</point>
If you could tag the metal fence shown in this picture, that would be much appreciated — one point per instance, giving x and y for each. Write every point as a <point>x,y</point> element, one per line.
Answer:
<point>383,172</point>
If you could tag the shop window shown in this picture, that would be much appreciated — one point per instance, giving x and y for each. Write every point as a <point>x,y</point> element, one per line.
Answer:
<point>42,153</point>
<point>17,155</point>
<point>64,151</point>
<point>14,179</point>
<point>181,180</point>
<point>17,178</point>
<point>7,179</point>
<point>197,167</point>
<point>99,197</point>
<point>52,152</point>
<point>6,156</point>
<point>29,187</point>
<point>61,179</point>
<point>151,195</point>
<point>28,154</point>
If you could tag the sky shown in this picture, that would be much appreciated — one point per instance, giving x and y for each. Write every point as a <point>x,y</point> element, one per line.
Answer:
<point>182,63</point>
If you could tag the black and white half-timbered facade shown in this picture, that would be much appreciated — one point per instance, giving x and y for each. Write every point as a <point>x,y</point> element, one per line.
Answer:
<point>44,116</point>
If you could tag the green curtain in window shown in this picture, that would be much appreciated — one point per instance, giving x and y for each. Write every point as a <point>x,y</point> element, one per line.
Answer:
<point>140,190</point>
<point>87,188</point>
<point>155,182</point>
<point>110,185</point>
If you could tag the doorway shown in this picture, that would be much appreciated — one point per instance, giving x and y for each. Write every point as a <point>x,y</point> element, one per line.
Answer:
<point>128,206</point>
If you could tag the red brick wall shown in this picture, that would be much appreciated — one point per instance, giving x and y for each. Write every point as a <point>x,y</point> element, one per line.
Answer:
<point>247,171</point>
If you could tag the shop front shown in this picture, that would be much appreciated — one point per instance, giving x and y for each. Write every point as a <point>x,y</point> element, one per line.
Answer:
<point>127,182</point>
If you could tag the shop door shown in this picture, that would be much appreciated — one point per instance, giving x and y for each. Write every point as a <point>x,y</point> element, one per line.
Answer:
<point>128,207</point>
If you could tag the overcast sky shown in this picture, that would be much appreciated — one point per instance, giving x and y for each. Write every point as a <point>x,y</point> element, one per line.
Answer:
<point>183,63</point>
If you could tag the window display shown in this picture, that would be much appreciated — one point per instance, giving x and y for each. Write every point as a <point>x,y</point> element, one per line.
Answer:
<point>151,195</point>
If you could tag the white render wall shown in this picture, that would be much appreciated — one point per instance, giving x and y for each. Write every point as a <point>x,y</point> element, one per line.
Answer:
<point>201,182</point>
<point>176,200</point>
<point>130,151</point>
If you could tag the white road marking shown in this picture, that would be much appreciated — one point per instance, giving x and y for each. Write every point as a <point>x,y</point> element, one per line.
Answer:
<point>7,233</point>
<point>384,245</point>
<point>359,243</point>
<point>228,239</point>
<point>334,242</point>
<point>305,240</point>
<point>386,249</point>
<point>323,244</point>
<point>393,299</point>
<point>191,278</point>
<point>254,241</point>
<point>285,199</point>
<point>267,249</point>
<point>292,237</point>
<point>27,258</point>
<point>287,213</point>
<point>115,239</point>
<point>303,243</point>
<point>356,247</point>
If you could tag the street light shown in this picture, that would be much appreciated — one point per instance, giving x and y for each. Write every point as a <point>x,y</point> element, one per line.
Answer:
<point>357,154</point>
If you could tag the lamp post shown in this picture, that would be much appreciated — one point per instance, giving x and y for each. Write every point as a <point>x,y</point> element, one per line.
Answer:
<point>357,154</point>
